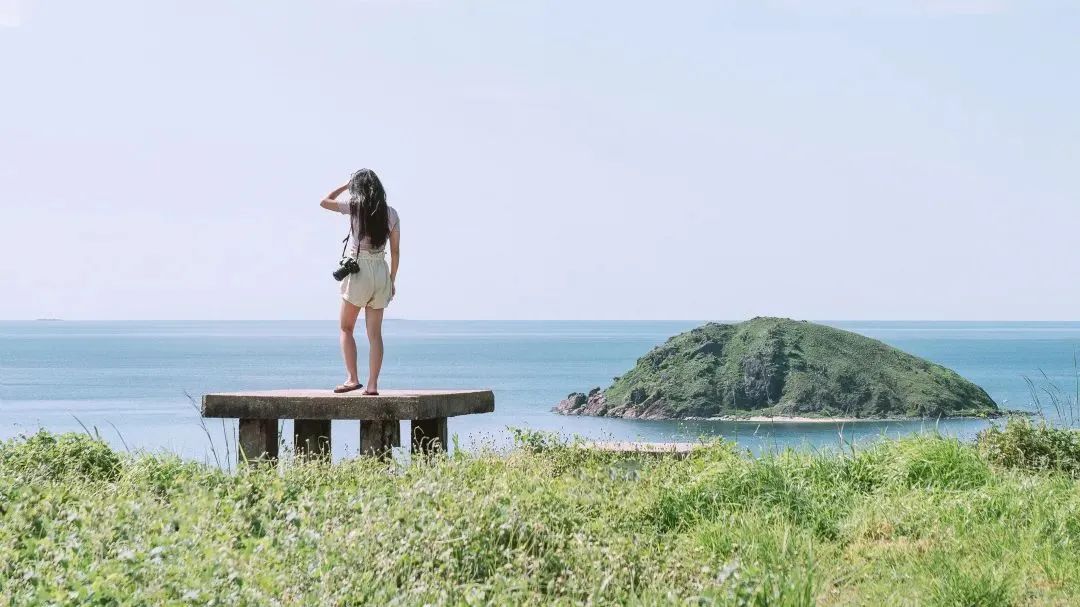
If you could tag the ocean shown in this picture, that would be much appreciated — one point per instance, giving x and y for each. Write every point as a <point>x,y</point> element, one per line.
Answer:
<point>137,384</point>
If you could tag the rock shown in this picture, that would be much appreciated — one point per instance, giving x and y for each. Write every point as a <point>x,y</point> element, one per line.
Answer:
<point>580,404</point>
<point>774,366</point>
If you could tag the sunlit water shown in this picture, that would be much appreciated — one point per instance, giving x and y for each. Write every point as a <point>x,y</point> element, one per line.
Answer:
<point>129,380</point>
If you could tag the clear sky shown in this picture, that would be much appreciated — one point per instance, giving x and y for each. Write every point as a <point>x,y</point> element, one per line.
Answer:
<point>829,159</point>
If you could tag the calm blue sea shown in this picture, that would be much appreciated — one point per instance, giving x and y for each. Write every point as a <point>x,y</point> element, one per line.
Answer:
<point>131,380</point>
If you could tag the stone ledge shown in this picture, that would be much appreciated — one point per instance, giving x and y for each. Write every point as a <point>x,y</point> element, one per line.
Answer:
<point>324,404</point>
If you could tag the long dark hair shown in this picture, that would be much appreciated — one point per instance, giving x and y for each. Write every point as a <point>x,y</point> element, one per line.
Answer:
<point>367,206</point>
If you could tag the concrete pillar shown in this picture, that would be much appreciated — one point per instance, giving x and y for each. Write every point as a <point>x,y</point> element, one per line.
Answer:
<point>258,440</point>
<point>312,437</point>
<point>377,438</point>
<point>428,435</point>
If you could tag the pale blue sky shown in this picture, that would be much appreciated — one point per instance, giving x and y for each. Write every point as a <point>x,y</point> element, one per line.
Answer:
<point>837,159</point>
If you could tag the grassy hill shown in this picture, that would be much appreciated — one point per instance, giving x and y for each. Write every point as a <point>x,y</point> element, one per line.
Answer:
<point>776,366</point>
<point>921,521</point>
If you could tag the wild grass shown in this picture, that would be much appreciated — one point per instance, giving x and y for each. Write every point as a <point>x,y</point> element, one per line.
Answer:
<point>926,520</point>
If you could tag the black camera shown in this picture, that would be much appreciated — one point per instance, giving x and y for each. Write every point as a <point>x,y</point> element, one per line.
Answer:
<point>348,266</point>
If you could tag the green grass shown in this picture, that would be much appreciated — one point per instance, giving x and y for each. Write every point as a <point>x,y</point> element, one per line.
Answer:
<point>919,521</point>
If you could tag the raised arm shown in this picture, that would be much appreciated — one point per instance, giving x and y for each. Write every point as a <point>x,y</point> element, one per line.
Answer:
<point>330,203</point>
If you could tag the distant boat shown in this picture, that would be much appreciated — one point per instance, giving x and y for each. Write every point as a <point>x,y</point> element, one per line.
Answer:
<point>48,319</point>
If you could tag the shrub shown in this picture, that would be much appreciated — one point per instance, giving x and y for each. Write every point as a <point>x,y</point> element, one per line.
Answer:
<point>536,441</point>
<point>1022,444</point>
<point>867,470</point>
<point>55,457</point>
<point>941,463</point>
<point>169,474</point>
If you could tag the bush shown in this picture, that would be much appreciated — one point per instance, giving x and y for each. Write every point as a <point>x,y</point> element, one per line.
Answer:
<point>166,475</point>
<point>536,441</point>
<point>58,457</point>
<point>1039,447</point>
<point>941,463</point>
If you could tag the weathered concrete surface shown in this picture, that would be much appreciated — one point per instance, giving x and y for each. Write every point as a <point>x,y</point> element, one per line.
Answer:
<point>324,404</point>
<point>258,440</point>
<point>378,438</point>
<point>428,435</point>
<point>312,437</point>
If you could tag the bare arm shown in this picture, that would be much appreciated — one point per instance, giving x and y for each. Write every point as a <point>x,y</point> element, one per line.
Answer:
<point>395,256</point>
<point>330,203</point>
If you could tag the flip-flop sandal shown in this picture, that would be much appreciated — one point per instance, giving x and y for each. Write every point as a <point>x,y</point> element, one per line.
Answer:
<point>366,393</point>
<point>343,388</point>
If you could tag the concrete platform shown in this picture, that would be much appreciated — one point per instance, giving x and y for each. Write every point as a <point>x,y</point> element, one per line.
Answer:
<point>324,404</point>
<point>313,411</point>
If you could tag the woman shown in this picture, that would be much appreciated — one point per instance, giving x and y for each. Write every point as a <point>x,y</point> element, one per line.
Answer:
<point>374,224</point>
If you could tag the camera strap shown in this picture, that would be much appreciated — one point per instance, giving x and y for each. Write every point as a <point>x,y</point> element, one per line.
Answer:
<point>345,243</point>
<point>348,235</point>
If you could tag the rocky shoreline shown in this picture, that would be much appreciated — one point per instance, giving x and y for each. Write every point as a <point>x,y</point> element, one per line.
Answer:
<point>595,404</point>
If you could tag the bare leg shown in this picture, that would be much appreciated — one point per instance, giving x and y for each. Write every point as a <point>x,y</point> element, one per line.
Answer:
<point>349,313</point>
<point>373,320</point>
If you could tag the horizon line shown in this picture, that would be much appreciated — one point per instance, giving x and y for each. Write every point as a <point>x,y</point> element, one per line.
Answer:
<point>818,320</point>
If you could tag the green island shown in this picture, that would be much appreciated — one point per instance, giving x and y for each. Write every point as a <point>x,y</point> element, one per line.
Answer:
<point>925,520</point>
<point>776,367</point>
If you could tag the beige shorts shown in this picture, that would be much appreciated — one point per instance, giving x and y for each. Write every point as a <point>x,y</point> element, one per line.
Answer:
<point>371,286</point>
